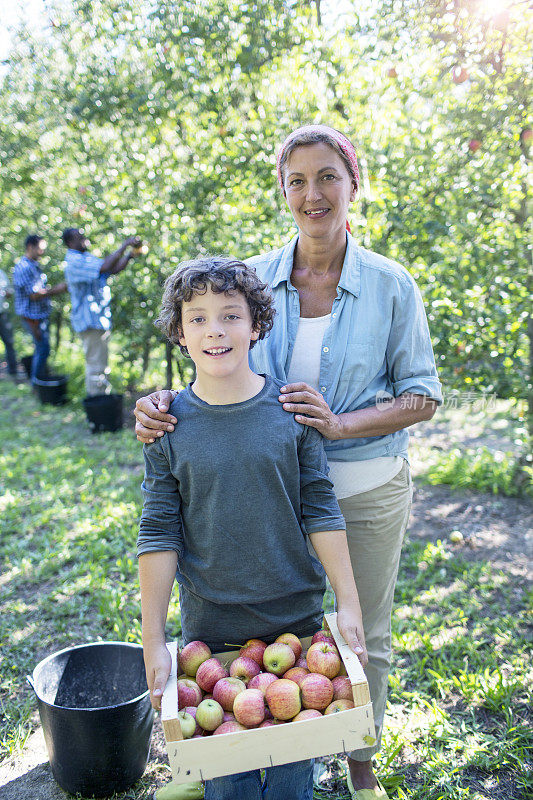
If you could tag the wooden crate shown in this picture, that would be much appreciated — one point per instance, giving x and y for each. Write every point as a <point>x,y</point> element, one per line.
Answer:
<point>213,756</point>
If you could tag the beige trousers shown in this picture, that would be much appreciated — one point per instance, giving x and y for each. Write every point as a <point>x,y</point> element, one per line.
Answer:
<point>375,527</point>
<point>94,343</point>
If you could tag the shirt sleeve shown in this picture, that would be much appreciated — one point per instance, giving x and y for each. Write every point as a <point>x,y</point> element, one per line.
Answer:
<point>410,359</point>
<point>320,509</point>
<point>161,526</point>
<point>24,280</point>
<point>82,267</point>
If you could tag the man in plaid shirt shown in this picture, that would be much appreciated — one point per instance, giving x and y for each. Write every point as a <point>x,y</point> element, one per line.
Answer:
<point>32,300</point>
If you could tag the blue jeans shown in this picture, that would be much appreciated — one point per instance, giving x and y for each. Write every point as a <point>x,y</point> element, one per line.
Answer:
<point>6,334</point>
<point>288,782</point>
<point>41,341</point>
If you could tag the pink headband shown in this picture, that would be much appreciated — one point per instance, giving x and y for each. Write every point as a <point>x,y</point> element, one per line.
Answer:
<point>346,146</point>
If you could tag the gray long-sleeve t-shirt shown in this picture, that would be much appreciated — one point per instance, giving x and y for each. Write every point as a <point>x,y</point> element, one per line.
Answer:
<point>234,490</point>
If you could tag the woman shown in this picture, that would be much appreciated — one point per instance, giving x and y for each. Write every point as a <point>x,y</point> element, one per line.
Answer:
<point>350,339</point>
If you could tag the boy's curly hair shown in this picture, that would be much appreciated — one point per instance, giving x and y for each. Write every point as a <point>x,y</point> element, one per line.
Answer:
<point>222,274</point>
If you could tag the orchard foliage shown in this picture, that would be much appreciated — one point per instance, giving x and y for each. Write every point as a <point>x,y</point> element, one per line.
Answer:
<point>164,118</point>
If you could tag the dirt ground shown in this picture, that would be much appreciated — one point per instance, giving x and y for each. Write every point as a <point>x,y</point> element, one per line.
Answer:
<point>495,528</point>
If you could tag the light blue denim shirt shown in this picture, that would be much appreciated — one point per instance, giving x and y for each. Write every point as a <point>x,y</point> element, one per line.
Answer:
<point>376,346</point>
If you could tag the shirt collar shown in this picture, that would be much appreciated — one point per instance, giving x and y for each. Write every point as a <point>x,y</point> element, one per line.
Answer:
<point>350,279</point>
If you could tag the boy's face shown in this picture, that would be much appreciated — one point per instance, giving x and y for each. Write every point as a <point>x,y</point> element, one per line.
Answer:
<point>217,330</point>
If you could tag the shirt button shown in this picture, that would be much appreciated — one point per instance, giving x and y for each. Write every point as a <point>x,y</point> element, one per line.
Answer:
<point>322,389</point>
<point>326,349</point>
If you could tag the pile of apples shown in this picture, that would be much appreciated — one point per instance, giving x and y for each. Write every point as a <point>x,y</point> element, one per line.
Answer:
<point>265,685</point>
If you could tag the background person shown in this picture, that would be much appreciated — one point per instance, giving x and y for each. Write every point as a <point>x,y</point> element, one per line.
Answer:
<point>351,343</point>
<point>6,329</point>
<point>32,300</point>
<point>86,277</point>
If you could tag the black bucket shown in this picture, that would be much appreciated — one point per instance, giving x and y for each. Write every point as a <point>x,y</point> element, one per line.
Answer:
<point>96,716</point>
<point>104,412</point>
<point>26,363</point>
<point>52,389</point>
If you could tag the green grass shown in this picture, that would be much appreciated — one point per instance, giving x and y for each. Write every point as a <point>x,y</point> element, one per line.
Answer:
<point>459,720</point>
<point>483,470</point>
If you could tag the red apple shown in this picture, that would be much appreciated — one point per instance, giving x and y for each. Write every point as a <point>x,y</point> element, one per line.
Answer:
<point>526,137</point>
<point>301,662</point>
<point>323,636</point>
<point>192,711</point>
<point>228,716</point>
<point>209,715</point>
<point>296,674</point>
<point>342,688</point>
<point>187,724</point>
<point>474,145</point>
<point>459,75</point>
<point>209,672</point>
<point>278,658</point>
<point>192,655</point>
<point>392,73</point>
<point>226,690</point>
<point>307,713</point>
<point>294,643</point>
<point>189,693</point>
<point>283,698</point>
<point>249,707</point>
<point>339,705</point>
<point>317,691</point>
<point>323,658</point>
<point>229,727</point>
<point>262,680</point>
<point>244,668</point>
<point>253,648</point>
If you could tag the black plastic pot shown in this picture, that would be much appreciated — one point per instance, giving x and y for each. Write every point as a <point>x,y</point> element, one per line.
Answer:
<point>104,412</point>
<point>52,389</point>
<point>26,363</point>
<point>96,716</point>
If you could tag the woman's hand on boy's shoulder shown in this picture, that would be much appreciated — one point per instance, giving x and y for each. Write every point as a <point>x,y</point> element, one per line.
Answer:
<point>310,408</point>
<point>152,419</point>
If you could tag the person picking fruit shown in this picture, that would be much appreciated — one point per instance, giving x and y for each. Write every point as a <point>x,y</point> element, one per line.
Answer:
<point>231,497</point>
<point>351,346</point>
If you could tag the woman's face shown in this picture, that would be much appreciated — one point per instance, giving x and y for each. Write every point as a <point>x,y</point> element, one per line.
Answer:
<point>319,189</point>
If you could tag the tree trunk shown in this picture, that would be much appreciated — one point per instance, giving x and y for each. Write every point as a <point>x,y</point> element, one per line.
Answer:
<point>168,354</point>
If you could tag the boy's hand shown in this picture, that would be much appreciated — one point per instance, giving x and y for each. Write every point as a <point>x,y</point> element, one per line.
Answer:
<point>152,421</point>
<point>157,663</point>
<point>350,624</point>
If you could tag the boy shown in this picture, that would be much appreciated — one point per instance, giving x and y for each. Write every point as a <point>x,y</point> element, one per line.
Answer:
<point>229,497</point>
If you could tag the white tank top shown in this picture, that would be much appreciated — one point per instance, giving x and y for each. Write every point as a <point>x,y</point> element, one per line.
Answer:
<point>348,477</point>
